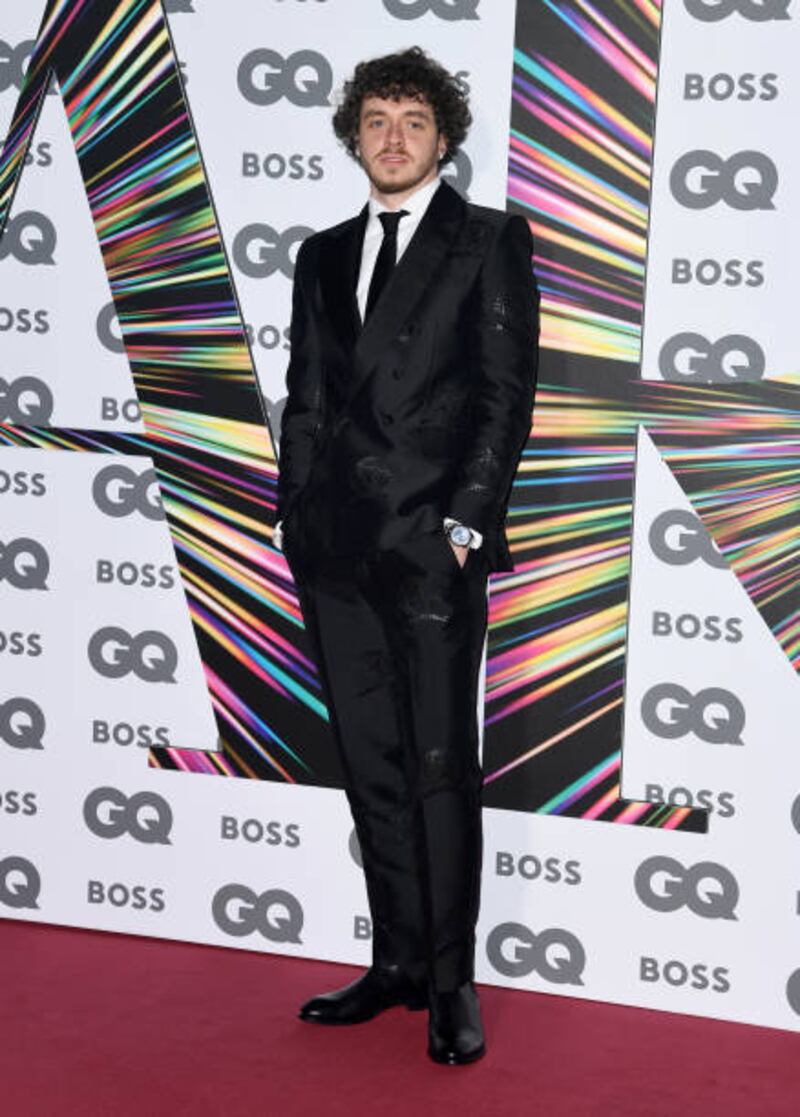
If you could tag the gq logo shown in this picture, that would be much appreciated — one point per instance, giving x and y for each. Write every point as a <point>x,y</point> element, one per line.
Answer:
<point>690,358</point>
<point>24,564</point>
<point>119,491</point>
<point>714,715</point>
<point>556,955</point>
<point>759,11</point>
<point>678,538</point>
<point>22,723</point>
<point>459,174</point>
<point>746,181</point>
<point>796,814</point>
<point>151,655</point>
<point>304,78</point>
<point>276,914</point>
<point>26,401</point>
<point>30,238</point>
<point>451,10</point>
<point>109,813</point>
<point>259,251</point>
<point>354,847</point>
<point>20,883</point>
<point>12,63</point>
<point>681,887</point>
<point>106,319</point>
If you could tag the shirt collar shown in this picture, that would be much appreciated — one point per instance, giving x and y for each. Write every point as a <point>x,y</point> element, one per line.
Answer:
<point>416,203</point>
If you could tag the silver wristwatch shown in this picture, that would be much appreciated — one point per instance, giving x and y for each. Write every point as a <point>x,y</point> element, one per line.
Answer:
<point>459,534</point>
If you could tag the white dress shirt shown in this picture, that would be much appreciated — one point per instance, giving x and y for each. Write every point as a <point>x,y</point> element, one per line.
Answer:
<point>416,204</point>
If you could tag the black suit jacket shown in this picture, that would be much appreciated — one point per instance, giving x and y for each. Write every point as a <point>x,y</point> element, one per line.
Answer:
<point>423,412</point>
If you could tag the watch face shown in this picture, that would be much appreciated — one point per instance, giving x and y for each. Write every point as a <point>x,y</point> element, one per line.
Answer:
<point>460,535</point>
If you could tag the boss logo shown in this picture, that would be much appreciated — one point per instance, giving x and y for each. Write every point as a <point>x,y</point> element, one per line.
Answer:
<point>362,927</point>
<point>714,715</point>
<point>721,803</point>
<point>119,491</point>
<point>151,655</point>
<point>22,483</point>
<point>24,564</point>
<point>123,733</point>
<point>253,830</point>
<point>174,6</point>
<point>259,251</point>
<point>145,816</point>
<point>26,401</point>
<point>21,643</point>
<point>13,62</point>
<point>20,883</point>
<point>690,358</point>
<point>107,326</point>
<point>276,914</point>
<point>459,174</point>
<point>112,410</point>
<point>690,627</point>
<point>552,870</point>
<point>556,955</point>
<point>759,11</point>
<point>39,155</point>
<point>22,723</point>
<point>145,575</point>
<point>715,273</point>
<point>724,87</point>
<point>678,538</point>
<point>24,320</point>
<point>451,10</point>
<point>746,181</point>
<point>269,338</point>
<point>304,78</point>
<point>664,884</point>
<point>137,897</point>
<point>30,238</point>
<point>699,976</point>
<point>19,802</point>
<point>275,165</point>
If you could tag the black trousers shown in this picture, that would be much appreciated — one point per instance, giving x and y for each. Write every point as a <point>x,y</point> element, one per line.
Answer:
<point>398,637</point>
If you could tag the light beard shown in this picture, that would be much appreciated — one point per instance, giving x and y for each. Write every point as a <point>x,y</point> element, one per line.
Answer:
<point>402,185</point>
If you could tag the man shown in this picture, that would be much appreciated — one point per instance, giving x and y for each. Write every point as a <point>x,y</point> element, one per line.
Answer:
<point>410,390</point>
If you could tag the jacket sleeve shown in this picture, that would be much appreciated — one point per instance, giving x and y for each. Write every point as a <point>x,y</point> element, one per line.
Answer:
<point>302,412</point>
<point>505,340</point>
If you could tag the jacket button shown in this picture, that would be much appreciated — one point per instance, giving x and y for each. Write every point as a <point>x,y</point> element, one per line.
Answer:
<point>386,418</point>
<point>396,373</point>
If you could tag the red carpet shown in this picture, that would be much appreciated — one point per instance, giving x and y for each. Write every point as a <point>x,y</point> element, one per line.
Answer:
<point>108,1025</point>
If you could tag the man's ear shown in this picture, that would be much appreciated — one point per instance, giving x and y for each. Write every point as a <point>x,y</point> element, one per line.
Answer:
<point>444,143</point>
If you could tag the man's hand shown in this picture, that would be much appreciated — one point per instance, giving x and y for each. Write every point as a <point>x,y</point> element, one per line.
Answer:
<point>460,552</point>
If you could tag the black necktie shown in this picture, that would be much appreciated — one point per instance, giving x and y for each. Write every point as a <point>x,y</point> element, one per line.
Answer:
<point>387,257</point>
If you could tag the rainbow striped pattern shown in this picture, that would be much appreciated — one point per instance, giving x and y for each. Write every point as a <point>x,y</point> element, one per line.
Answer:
<point>202,411</point>
<point>580,162</point>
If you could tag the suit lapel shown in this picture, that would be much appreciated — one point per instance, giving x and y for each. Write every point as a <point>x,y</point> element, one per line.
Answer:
<point>340,261</point>
<point>410,278</point>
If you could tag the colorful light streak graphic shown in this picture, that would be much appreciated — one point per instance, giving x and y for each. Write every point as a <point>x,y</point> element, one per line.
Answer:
<point>580,154</point>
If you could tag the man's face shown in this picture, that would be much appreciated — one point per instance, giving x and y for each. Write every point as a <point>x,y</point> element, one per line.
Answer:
<point>399,144</point>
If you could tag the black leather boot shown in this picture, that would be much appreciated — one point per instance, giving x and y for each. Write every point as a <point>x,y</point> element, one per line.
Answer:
<point>455,1031</point>
<point>377,989</point>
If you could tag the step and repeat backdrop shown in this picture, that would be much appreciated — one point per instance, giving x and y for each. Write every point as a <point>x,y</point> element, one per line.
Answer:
<point>165,762</point>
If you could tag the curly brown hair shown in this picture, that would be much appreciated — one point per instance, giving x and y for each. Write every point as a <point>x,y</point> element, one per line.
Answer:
<point>407,73</point>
